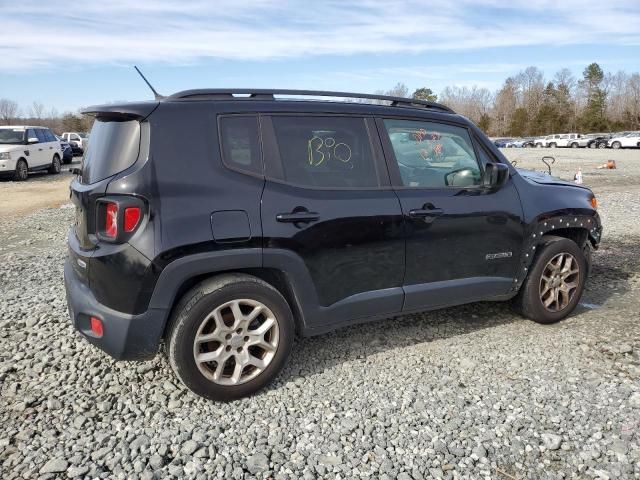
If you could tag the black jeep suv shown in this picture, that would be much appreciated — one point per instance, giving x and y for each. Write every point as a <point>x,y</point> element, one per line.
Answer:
<point>223,223</point>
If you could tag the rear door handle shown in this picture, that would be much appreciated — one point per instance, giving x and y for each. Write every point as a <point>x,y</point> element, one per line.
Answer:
<point>297,217</point>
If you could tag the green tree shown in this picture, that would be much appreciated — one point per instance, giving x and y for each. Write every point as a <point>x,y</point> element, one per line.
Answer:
<point>425,93</point>
<point>519,122</point>
<point>594,117</point>
<point>485,122</point>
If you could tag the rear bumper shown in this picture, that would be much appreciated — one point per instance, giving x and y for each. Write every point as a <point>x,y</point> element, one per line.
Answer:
<point>125,337</point>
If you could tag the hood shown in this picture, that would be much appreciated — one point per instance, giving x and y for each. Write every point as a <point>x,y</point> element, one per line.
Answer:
<point>546,179</point>
<point>5,147</point>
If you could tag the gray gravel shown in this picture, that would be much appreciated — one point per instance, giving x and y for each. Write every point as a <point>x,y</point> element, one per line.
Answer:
<point>466,392</point>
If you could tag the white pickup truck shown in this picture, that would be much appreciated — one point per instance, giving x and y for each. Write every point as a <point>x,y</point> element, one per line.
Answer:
<point>79,141</point>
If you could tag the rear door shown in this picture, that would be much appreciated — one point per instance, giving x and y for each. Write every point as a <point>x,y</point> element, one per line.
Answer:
<point>462,241</point>
<point>329,213</point>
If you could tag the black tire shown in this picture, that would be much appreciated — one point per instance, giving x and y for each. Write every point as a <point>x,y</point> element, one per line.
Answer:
<point>593,145</point>
<point>55,165</point>
<point>616,145</point>
<point>602,145</point>
<point>190,313</point>
<point>22,171</point>
<point>574,145</point>
<point>553,145</point>
<point>528,302</point>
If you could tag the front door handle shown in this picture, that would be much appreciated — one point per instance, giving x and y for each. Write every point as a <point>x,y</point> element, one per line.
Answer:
<point>297,217</point>
<point>428,212</point>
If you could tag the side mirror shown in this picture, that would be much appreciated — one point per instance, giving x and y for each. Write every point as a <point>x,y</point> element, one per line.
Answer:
<point>32,140</point>
<point>495,175</point>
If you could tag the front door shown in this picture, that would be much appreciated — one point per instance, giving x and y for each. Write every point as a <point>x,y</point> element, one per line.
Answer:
<point>462,240</point>
<point>327,213</point>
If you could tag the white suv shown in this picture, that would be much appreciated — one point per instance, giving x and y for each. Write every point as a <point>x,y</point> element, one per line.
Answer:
<point>25,149</point>
<point>561,139</point>
<point>629,140</point>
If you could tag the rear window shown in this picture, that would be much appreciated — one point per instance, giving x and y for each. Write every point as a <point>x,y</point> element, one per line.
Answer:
<point>114,147</point>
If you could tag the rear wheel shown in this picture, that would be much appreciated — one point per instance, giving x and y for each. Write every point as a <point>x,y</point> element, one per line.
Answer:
<point>230,336</point>
<point>55,165</point>
<point>553,145</point>
<point>602,145</point>
<point>555,283</point>
<point>574,145</point>
<point>616,145</point>
<point>22,171</point>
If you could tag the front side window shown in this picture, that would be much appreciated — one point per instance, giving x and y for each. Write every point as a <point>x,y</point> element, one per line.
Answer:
<point>325,152</point>
<point>241,143</point>
<point>433,155</point>
<point>31,134</point>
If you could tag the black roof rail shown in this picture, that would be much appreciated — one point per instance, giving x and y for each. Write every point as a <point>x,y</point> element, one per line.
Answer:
<point>269,94</point>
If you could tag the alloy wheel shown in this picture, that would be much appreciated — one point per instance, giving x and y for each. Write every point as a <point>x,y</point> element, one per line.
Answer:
<point>559,282</point>
<point>236,342</point>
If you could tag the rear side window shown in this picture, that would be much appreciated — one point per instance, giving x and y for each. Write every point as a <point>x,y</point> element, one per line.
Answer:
<point>49,136</point>
<point>240,143</point>
<point>114,147</point>
<point>325,152</point>
<point>40,134</point>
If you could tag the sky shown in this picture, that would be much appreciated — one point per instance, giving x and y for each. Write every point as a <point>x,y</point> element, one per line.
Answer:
<point>70,54</point>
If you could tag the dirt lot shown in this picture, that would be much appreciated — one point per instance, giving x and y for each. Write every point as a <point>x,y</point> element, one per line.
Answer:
<point>467,392</point>
<point>41,190</point>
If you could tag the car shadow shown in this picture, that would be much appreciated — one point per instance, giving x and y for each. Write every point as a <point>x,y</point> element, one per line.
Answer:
<point>611,272</point>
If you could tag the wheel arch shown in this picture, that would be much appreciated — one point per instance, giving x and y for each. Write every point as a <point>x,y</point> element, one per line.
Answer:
<point>274,277</point>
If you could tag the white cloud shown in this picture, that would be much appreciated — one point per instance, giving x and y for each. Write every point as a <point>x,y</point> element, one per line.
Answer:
<point>40,35</point>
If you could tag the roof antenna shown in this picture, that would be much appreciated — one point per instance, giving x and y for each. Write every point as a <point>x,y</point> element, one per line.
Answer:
<point>155,94</point>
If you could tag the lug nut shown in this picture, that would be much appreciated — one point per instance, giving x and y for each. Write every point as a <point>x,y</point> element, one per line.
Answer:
<point>239,350</point>
<point>228,336</point>
<point>239,331</point>
<point>228,348</point>
<point>246,339</point>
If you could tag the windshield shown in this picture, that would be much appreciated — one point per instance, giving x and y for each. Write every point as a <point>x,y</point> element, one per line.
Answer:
<point>11,136</point>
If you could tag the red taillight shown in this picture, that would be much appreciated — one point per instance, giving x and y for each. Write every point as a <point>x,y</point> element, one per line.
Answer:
<point>97,327</point>
<point>111,220</point>
<point>131,218</point>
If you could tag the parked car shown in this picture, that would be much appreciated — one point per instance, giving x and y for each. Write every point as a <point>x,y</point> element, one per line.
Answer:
<point>529,143</point>
<point>519,143</point>
<point>631,140</point>
<point>290,218</point>
<point>67,151</point>
<point>579,141</point>
<point>599,141</point>
<point>540,142</point>
<point>502,142</point>
<point>562,140</point>
<point>25,149</point>
<point>79,141</point>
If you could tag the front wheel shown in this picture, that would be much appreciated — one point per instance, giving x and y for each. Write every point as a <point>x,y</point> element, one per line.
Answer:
<point>230,336</point>
<point>602,145</point>
<point>555,283</point>
<point>553,145</point>
<point>22,171</point>
<point>616,145</point>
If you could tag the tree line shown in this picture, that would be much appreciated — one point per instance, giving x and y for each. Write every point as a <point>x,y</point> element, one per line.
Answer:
<point>38,114</point>
<point>529,104</point>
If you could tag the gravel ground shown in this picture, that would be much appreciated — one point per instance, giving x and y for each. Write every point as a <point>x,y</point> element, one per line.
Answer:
<point>466,392</point>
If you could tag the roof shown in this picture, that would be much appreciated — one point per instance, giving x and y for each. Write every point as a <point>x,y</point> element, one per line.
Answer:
<point>23,127</point>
